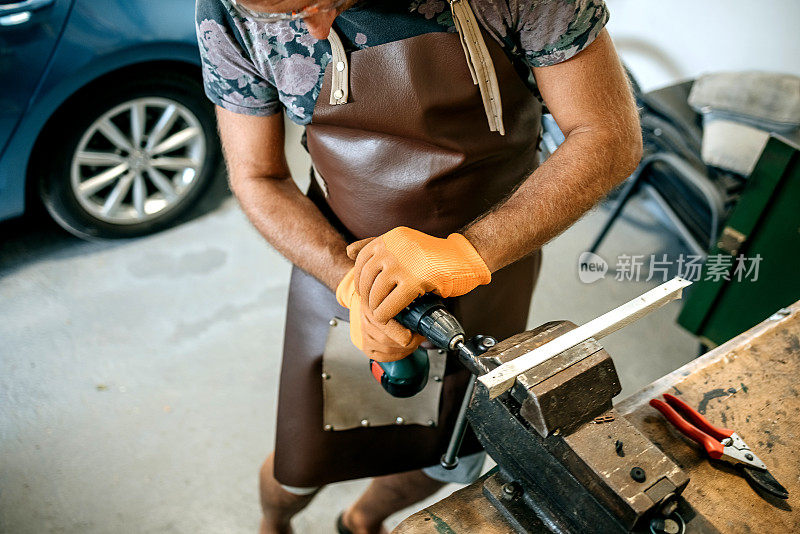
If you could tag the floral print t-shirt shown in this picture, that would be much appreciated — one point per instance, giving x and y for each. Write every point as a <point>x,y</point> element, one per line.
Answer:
<point>257,68</point>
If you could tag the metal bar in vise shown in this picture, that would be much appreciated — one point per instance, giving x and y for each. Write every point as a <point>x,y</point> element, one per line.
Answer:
<point>502,378</point>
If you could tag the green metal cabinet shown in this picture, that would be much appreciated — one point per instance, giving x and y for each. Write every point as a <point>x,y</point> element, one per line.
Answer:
<point>765,222</point>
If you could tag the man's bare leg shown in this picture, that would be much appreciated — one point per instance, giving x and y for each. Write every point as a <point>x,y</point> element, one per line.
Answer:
<point>385,496</point>
<point>278,505</point>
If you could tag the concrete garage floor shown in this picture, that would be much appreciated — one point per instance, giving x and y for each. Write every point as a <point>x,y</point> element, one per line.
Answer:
<point>138,379</point>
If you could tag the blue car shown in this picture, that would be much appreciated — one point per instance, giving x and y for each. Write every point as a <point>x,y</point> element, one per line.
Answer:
<point>102,114</point>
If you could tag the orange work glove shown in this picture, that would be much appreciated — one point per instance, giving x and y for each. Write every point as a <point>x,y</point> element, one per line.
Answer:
<point>381,342</point>
<point>402,264</point>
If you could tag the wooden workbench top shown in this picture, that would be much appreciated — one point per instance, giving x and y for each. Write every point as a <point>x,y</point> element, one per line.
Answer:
<point>750,385</point>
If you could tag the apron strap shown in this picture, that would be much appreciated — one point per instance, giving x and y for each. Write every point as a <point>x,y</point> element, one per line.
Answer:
<point>480,62</point>
<point>339,70</point>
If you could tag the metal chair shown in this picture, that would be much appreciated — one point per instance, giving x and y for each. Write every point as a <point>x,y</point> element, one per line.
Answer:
<point>695,198</point>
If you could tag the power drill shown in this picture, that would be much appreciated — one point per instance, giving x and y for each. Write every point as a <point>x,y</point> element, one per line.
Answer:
<point>428,316</point>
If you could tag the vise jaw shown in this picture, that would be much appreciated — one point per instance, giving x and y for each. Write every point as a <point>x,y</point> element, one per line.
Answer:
<point>580,465</point>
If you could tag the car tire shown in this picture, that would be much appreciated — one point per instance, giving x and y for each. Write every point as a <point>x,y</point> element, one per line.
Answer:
<point>98,185</point>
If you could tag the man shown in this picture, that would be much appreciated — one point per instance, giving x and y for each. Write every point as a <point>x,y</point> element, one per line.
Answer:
<point>422,122</point>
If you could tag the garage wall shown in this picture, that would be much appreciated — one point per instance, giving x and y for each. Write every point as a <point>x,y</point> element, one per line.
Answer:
<point>663,41</point>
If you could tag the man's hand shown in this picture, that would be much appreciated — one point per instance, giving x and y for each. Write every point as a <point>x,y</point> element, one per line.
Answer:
<point>402,264</point>
<point>382,342</point>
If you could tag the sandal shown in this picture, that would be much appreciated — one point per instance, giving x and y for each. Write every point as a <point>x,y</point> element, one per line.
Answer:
<point>340,528</point>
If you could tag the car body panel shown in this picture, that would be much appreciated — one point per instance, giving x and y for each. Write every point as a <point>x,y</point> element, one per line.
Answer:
<point>27,41</point>
<point>99,38</point>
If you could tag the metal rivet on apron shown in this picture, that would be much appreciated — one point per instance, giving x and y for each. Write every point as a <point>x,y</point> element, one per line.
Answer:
<point>431,422</point>
<point>333,322</point>
<point>364,422</point>
<point>440,351</point>
<point>400,421</point>
<point>437,378</point>
<point>325,376</point>
<point>328,428</point>
<point>338,94</point>
<point>340,66</point>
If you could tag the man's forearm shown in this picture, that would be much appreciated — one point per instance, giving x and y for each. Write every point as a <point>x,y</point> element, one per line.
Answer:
<point>591,100</point>
<point>260,178</point>
<point>583,169</point>
<point>292,224</point>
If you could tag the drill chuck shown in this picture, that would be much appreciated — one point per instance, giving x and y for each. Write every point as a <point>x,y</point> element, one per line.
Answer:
<point>428,316</point>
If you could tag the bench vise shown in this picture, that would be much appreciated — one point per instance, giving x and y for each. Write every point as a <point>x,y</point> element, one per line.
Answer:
<point>567,462</point>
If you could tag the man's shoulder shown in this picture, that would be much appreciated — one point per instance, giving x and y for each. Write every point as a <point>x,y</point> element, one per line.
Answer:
<point>218,10</point>
<point>545,31</point>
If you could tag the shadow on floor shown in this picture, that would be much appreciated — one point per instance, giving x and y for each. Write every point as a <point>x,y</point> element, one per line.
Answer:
<point>35,236</point>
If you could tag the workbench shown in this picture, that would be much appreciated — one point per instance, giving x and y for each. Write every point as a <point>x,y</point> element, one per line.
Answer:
<point>750,385</point>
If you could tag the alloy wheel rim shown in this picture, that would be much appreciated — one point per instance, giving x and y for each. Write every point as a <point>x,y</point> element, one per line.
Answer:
<point>138,161</point>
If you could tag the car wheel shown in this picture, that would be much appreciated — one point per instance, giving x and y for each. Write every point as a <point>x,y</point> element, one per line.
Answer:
<point>132,158</point>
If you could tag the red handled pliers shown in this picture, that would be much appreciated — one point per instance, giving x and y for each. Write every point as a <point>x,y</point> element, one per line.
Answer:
<point>719,443</point>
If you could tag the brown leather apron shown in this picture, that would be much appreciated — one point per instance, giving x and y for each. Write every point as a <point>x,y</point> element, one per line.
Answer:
<point>410,148</point>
